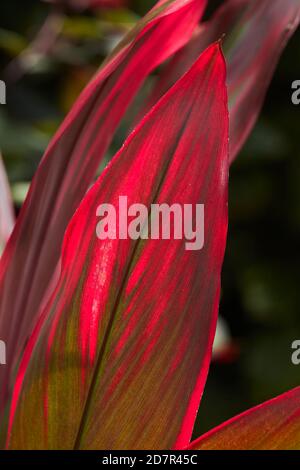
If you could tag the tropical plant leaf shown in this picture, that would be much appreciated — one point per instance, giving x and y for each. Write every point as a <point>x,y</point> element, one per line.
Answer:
<point>70,164</point>
<point>7,218</point>
<point>274,425</point>
<point>255,34</point>
<point>120,356</point>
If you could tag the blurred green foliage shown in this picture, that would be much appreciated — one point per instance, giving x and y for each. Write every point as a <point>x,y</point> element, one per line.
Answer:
<point>261,271</point>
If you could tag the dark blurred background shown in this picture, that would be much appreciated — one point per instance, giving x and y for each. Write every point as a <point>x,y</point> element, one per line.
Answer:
<point>47,55</point>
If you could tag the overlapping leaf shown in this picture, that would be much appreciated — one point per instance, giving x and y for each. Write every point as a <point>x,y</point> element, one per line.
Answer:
<point>274,425</point>
<point>255,34</point>
<point>70,164</point>
<point>120,356</point>
<point>6,208</point>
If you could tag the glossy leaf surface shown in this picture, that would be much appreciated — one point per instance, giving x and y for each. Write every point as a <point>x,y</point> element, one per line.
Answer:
<point>70,164</point>
<point>120,356</point>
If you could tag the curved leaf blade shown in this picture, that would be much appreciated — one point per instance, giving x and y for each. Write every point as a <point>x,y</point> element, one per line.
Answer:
<point>274,425</point>
<point>70,164</point>
<point>128,333</point>
<point>255,35</point>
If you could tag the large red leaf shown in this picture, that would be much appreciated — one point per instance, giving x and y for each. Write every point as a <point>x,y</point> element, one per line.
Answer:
<point>255,34</point>
<point>6,208</point>
<point>274,425</point>
<point>120,356</point>
<point>70,164</point>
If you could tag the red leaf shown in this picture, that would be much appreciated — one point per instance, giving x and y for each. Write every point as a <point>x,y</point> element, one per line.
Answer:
<point>120,357</point>
<point>7,218</point>
<point>274,425</point>
<point>256,32</point>
<point>70,164</point>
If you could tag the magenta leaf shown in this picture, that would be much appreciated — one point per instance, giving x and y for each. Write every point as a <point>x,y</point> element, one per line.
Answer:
<point>120,355</point>
<point>70,164</point>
